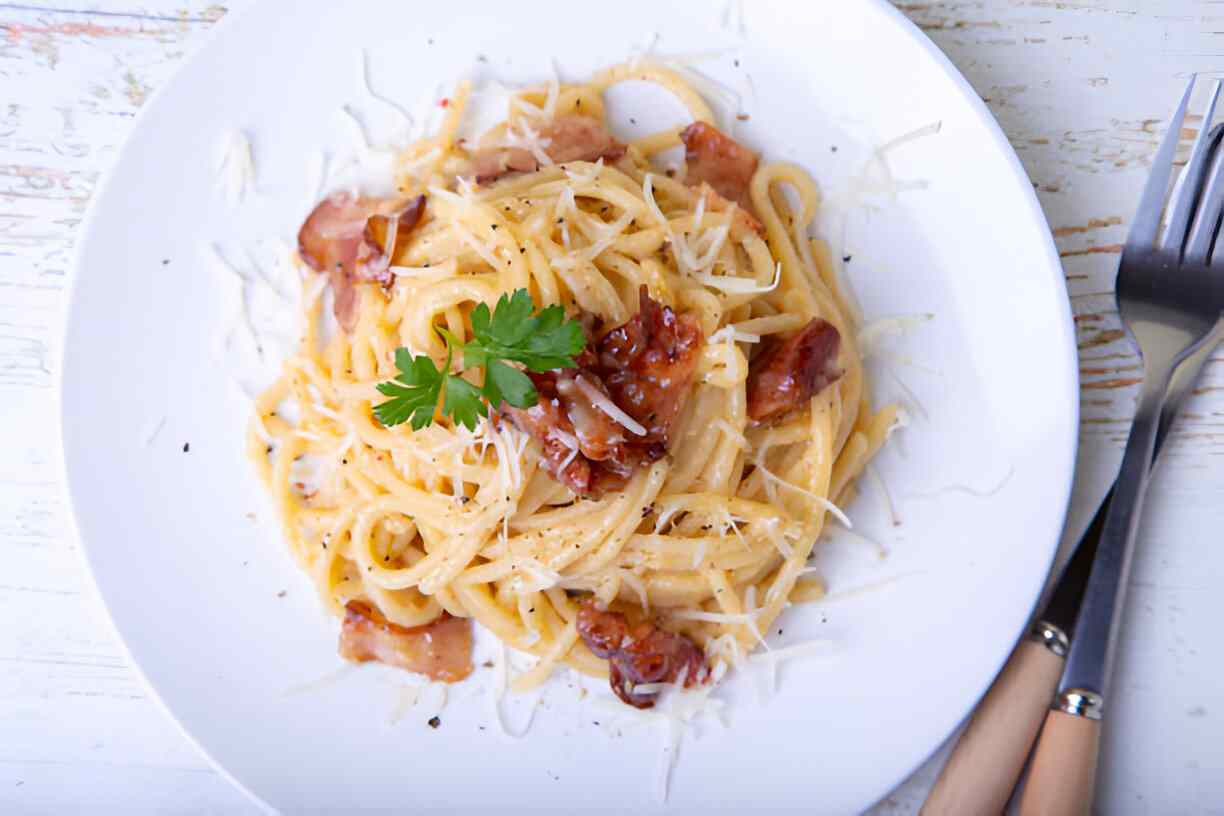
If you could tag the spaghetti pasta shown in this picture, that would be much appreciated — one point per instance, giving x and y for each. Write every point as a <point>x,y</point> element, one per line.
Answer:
<point>709,542</point>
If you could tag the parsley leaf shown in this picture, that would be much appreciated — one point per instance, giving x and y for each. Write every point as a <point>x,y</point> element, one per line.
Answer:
<point>541,343</point>
<point>510,332</point>
<point>505,384</point>
<point>414,393</point>
<point>463,402</point>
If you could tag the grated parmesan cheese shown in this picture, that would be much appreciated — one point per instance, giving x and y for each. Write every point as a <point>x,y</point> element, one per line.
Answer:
<point>554,92</point>
<point>153,430</point>
<point>885,493</point>
<point>644,51</point>
<point>872,335</point>
<point>484,250</point>
<point>676,709</point>
<point>566,203</point>
<point>726,648</point>
<point>837,531</point>
<point>236,170</point>
<point>869,588</point>
<point>405,117</point>
<point>581,176</point>
<point>770,659</point>
<point>521,135</point>
<point>497,691</point>
<point>876,177</point>
<point>361,137</point>
<point>606,405</point>
<point>821,500</point>
<point>420,273</point>
<point>977,493</point>
<point>739,286</point>
<point>730,334</point>
<point>732,619</point>
<point>727,101</point>
<point>930,129</point>
<point>639,586</point>
<point>544,577</point>
<point>733,18</point>
<point>779,541</point>
<point>610,233</point>
<point>665,517</point>
<point>911,396</point>
<point>244,308</point>
<point>750,603</point>
<point>902,420</point>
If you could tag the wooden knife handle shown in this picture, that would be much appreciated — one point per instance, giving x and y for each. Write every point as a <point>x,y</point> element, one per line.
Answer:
<point>1063,776</point>
<point>989,757</point>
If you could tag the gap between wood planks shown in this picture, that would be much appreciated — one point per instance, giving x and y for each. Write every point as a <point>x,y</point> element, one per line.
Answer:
<point>211,15</point>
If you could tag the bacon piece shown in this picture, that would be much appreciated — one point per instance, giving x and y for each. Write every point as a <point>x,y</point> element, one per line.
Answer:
<point>716,159</point>
<point>337,239</point>
<point>641,654</point>
<point>788,373</point>
<point>492,163</point>
<point>643,367</point>
<point>648,363</point>
<point>583,448</point>
<point>571,137</point>
<point>441,650</point>
<point>574,137</point>
<point>742,218</point>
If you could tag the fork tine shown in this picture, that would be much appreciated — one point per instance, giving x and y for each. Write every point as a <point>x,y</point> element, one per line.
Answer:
<point>1146,224</point>
<point>1207,214</point>
<point>1183,197</point>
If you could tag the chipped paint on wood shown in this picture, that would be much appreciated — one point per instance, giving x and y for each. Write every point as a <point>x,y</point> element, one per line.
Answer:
<point>1104,249</point>
<point>1093,224</point>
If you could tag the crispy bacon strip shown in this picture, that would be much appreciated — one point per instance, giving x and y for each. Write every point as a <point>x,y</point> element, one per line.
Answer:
<point>716,159</point>
<point>571,137</point>
<point>337,239</point>
<point>583,448</point>
<point>648,362</point>
<point>645,368</point>
<point>788,373</point>
<point>441,650</point>
<point>640,654</point>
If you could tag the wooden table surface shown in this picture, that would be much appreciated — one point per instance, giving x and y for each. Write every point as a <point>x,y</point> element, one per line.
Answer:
<point>1080,86</point>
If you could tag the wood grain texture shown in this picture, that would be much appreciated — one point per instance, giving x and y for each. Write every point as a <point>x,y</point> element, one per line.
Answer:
<point>987,761</point>
<point>1063,775</point>
<point>1080,87</point>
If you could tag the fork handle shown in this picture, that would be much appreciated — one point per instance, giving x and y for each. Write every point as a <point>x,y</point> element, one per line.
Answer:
<point>1063,775</point>
<point>989,756</point>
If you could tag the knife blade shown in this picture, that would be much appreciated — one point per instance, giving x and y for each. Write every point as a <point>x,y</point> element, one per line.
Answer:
<point>1057,621</point>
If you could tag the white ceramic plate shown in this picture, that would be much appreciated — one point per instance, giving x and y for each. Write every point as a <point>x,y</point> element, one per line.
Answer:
<point>981,479</point>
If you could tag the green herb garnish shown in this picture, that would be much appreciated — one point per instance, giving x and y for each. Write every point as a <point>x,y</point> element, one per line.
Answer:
<point>511,333</point>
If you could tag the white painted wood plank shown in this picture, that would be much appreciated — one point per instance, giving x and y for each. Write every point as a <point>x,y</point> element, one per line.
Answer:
<point>77,729</point>
<point>1081,89</point>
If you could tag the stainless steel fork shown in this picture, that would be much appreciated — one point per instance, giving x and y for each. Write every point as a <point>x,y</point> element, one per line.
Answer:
<point>1170,293</point>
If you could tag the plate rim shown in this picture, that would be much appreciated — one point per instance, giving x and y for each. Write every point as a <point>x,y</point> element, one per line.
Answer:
<point>68,311</point>
<point>998,143</point>
<point>1003,147</point>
